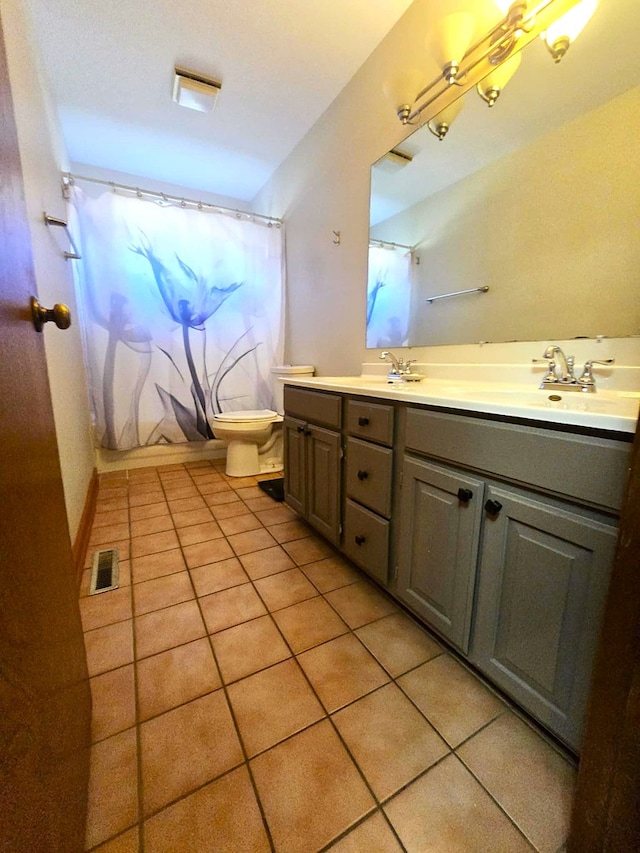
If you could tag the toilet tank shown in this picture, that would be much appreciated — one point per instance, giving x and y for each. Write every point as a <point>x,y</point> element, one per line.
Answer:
<point>282,371</point>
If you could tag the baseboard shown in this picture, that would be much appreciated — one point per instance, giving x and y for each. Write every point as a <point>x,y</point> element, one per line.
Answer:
<point>84,528</point>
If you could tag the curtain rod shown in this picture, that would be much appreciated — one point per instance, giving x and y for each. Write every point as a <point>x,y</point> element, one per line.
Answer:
<point>385,244</point>
<point>182,200</point>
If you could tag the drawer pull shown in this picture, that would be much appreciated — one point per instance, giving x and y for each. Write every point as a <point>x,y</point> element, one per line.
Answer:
<point>464,495</point>
<point>493,507</point>
<point>360,540</point>
<point>363,421</point>
<point>304,430</point>
<point>362,475</point>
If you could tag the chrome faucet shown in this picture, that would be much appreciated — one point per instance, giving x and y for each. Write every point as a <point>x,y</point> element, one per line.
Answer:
<point>564,379</point>
<point>399,368</point>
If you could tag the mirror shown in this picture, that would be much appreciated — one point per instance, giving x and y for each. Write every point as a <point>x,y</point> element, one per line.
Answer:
<point>536,199</point>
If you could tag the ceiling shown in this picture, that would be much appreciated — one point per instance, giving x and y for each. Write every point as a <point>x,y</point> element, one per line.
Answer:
<point>281,63</point>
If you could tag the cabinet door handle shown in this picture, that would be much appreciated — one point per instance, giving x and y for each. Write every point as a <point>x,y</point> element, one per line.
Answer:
<point>360,540</point>
<point>493,507</point>
<point>362,475</point>
<point>464,495</point>
<point>363,421</point>
<point>301,430</point>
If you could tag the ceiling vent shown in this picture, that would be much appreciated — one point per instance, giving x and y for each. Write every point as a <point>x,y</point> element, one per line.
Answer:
<point>195,91</point>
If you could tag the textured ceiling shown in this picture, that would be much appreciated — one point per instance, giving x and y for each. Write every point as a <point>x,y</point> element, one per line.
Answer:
<point>281,63</point>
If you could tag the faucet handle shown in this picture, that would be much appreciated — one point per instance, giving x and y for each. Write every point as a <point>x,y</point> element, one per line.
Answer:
<point>551,375</point>
<point>587,375</point>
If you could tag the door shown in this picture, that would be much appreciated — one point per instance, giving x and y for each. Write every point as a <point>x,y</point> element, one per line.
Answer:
<point>295,464</point>
<point>440,518</point>
<point>543,579</point>
<point>323,481</point>
<point>45,704</point>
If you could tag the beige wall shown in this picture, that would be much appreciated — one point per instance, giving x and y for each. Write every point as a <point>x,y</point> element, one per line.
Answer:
<point>324,186</point>
<point>42,155</point>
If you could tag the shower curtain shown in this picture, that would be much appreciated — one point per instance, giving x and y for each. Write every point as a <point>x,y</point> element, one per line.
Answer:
<point>388,297</point>
<point>181,313</point>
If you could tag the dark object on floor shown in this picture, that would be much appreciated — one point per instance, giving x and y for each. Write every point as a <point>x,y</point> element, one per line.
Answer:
<point>274,488</point>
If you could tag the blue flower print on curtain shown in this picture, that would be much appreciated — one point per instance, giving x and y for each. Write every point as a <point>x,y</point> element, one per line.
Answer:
<point>388,297</point>
<point>182,316</point>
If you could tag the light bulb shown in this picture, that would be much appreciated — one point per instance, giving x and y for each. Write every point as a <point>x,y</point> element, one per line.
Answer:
<point>449,40</point>
<point>563,32</point>
<point>490,87</point>
<point>401,91</point>
<point>439,125</point>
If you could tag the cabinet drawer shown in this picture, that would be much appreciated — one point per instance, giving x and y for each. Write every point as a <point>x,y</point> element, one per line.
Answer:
<point>369,475</point>
<point>372,421</point>
<point>315,406</point>
<point>366,540</point>
<point>586,468</point>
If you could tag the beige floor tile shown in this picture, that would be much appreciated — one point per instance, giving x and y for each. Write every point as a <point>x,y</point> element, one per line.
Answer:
<point>231,607</point>
<point>284,589</point>
<point>207,552</point>
<point>259,504</point>
<point>186,490</point>
<point>212,487</point>
<point>109,647</point>
<point>217,576</point>
<point>112,807</point>
<point>259,564</point>
<point>239,483</point>
<point>252,540</point>
<point>249,491</point>
<point>185,748</point>
<point>186,505</point>
<point>447,811</point>
<point>137,513</point>
<point>151,497</point>
<point>342,670</point>
<point>194,516</point>
<point>125,843</point>
<point>295,777</point>
<point>114,516</point>
<point>200,533</point>
<point>279,515</point>
<point>221,498</point>
<point>239,524</point>
<point>105,608</point>
<point>272,705</point>
<point>360,603</point>
<point>154,543</point>
<point>309,623</point>
<point>389,738</point>
<point>308,550</point>
<point>163,629</point>
<point>113,702</point>
<point>529,779</point>
<point>373,835</point>
<point>143,475</point>
<point>153,524</point>
<point>289,531</point>
<point>105,495</point>
<point>187,825</point>
<point>331,573</point>
<point>451,698</point>
<point>247,648</point>
<point>109,504</point>
<point>101,536</point>
<point>162,592</point>
<point>398,643</point>
<point>157,565</point>
<point>229,510</point>
<point>174,677</point>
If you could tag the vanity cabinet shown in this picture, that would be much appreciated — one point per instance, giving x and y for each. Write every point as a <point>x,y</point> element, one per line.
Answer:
<point>312,453</point>
<point>441,512</point>
<point>511,573</point>
<point>369,486</point>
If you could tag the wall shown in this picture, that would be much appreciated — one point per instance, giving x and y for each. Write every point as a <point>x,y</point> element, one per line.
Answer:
<point>43,157</point>
<point>324,186</point>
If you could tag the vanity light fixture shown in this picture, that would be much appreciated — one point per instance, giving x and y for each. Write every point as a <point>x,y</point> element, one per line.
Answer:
<point>194,91</point>
<point>491,61</point>
<point>563,32</point>
<point>439,125</point>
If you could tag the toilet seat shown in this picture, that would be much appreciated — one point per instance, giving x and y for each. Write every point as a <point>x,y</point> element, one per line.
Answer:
<point>251,416</point>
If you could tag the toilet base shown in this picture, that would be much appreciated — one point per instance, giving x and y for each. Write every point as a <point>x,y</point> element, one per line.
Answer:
<point>243,460</point>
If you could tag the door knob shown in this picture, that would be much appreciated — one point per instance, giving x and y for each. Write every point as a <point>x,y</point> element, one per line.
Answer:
<point>59,314</point>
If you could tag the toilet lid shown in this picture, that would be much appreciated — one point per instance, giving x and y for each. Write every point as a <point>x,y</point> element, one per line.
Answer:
<point>249,416</point>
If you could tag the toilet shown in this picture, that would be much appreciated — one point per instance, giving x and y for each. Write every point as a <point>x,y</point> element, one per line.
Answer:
<point>254,438</point>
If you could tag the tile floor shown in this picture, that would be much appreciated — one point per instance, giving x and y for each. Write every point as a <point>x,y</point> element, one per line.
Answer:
<point>253,691</point>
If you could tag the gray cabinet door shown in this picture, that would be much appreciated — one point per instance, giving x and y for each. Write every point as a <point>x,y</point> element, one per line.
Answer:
<point>543,578</point>
<point>323,483</point>
<point>439,537</point>
<point>295,464</point>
